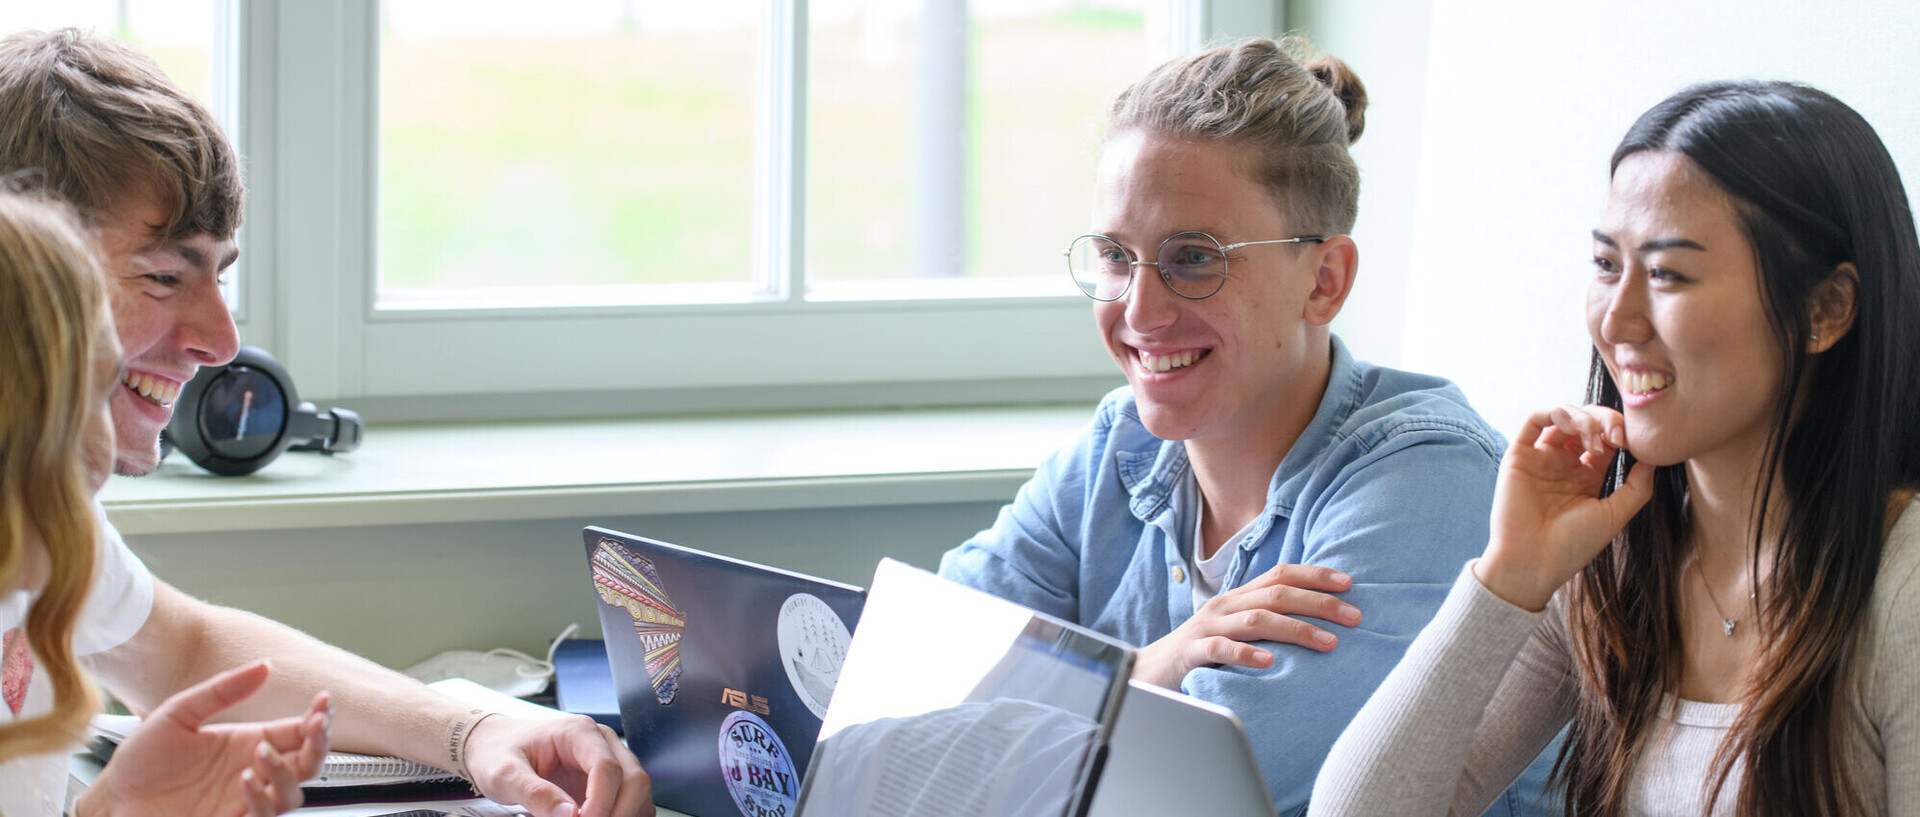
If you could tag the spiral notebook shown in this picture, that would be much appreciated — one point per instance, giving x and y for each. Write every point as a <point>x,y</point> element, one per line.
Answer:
<point>341,768</point>
<point>344,771</point>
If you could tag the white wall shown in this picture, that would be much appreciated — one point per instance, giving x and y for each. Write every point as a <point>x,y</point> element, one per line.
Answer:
<point>1385,43</point>
<point>1525,104</point>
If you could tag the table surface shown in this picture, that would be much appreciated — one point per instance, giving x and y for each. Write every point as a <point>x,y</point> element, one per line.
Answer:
<point>85,766</point>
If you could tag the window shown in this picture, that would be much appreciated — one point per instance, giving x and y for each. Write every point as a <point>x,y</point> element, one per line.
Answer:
<point>569,152</point>
<point>640,205</point>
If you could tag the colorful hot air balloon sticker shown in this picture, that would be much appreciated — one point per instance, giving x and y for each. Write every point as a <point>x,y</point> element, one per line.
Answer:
<point>627,580</point>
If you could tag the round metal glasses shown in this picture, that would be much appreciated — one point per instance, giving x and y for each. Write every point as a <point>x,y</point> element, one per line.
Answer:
<point>1193,264</point>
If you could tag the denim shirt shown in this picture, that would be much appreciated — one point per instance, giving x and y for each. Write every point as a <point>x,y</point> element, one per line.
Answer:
<point>1391,482</point>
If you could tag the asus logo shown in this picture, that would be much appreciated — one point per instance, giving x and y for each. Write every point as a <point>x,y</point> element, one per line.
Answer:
<point>741,700</point>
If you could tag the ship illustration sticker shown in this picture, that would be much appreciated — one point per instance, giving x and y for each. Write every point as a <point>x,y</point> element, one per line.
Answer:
<point>757,768</point>
<point>813,645</point>
<point>627,580</point>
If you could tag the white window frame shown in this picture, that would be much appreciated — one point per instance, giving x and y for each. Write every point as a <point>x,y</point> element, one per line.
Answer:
<point>309,130</point>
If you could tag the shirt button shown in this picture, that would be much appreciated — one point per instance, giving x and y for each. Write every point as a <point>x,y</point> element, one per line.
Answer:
<point>1179,574</point>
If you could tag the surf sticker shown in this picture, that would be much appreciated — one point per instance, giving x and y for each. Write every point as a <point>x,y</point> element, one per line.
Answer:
<point>757,768</point>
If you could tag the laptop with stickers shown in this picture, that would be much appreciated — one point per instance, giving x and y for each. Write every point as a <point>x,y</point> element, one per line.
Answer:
<point>723,668</point>
<point>955,703</point>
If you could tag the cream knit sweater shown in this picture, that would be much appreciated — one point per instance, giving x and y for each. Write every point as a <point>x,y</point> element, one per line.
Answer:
<point>1486,685</point>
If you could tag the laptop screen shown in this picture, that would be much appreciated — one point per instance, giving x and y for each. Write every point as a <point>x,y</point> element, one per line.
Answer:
<point>954,702</point>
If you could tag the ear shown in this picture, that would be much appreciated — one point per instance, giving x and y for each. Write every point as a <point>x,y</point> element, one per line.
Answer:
<point>1338,261</point>
<point>1831,308</point>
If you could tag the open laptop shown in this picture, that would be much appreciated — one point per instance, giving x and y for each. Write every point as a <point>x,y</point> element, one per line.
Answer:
<point>955,703</point>
<point>1176,754</point>
<point>724,669</point>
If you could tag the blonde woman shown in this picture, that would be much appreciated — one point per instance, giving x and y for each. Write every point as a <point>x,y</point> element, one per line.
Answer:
<point>58,590</point>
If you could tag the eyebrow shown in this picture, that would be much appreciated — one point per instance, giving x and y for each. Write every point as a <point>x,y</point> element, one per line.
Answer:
<point>195,258</point>
<point>1654,245</point>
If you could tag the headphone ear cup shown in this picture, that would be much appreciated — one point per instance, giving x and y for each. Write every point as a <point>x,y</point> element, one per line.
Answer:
<point>234,419</point>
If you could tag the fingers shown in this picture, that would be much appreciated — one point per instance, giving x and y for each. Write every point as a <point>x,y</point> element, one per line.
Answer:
<point>1226,652</point>
<point>289,735</point>
<point>1593,428</point>
<point>636,789</point>
<point>1308,577</point>
<point>194,706</point>
<point>616,786</point>
<point>1632,495</point>
<point>537,796</point>
<point>316,731</point>
<point>1284,600</point>
<point>1266,625</point>
<point>270,784</point>
<point>1597,428</point>
<point>259,801</point>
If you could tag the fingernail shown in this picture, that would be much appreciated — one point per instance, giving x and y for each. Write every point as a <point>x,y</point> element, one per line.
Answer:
<point>1323,638</point>
<point>1618,436</point>
<point>246,775</point>
<point>1349,612</point>
<point>264,751</point>
<point>1340,577</point>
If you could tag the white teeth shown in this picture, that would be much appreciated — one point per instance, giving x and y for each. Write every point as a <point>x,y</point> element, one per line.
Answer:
<point>1646,382</point>
<point>1167,363</point>
<point>158,391</point>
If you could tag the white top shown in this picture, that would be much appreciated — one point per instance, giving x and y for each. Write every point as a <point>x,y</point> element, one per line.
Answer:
<point>117,607</point>
<point>1486,685</point>
<point>1211,572</point>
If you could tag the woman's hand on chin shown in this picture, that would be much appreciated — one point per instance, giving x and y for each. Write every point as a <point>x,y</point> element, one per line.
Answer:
<point>1548,518</point>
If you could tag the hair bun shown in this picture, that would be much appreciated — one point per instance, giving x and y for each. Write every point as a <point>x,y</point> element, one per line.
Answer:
<point>1346,86</point>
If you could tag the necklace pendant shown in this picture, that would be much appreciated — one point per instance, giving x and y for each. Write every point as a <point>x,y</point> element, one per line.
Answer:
<point>1726,625</point>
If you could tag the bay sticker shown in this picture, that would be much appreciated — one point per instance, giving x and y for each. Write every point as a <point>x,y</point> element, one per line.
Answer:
<point>813,645</point>
<point>755,764</point>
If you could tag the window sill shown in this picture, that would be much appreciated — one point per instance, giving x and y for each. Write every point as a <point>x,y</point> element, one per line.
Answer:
<point>468,472</point>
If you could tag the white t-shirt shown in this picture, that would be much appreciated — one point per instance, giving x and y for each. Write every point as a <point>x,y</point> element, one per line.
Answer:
<point>117,606</point>
<point>1209,573</point>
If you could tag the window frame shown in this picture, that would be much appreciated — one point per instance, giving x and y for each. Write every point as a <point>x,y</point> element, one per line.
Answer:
<point>308,128</point>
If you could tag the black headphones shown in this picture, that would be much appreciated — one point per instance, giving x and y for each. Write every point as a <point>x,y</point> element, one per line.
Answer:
<point>234,419</point>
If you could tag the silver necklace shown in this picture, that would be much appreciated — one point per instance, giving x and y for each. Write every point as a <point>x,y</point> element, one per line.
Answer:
<point>1726,624</point>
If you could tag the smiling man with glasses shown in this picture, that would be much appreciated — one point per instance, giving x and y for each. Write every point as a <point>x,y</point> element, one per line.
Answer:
<point>1269,519</point>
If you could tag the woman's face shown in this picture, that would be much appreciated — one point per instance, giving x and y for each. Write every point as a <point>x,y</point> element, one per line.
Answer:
<point>1675,311</point>
<point>1222,366</point>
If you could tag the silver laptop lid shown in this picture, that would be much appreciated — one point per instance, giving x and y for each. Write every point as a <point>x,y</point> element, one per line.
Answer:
<point>954,703</point>
<point>1176,754</point>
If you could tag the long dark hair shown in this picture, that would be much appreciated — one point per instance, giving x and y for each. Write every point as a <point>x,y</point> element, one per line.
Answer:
<point>1813,188</point>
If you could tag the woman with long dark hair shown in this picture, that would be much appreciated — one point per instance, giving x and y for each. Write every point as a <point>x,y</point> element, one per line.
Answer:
<point>1721,540</point>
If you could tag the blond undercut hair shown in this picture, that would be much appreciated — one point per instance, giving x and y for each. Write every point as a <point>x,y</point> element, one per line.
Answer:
<point>1294,115</point>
